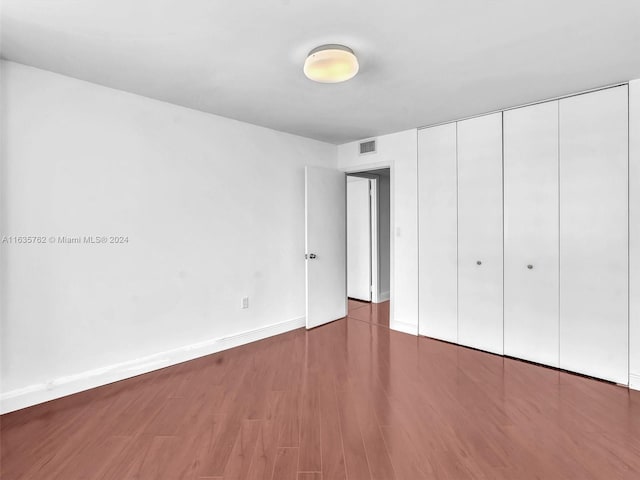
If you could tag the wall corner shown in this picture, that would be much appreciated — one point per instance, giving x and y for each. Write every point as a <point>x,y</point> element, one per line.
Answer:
<point>634,234</point>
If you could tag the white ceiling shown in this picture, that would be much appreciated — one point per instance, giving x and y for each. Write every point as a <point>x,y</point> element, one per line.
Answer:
<point>422,61</point>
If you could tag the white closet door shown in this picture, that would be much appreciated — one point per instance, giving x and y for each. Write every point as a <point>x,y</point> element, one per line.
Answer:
<point>480,316</point>
<point>594,234</point>
<point>438,233</point>
<point>531,268</point>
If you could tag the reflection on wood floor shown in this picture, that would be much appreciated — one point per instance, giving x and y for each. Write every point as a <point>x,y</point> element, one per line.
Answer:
<point>348,400</point>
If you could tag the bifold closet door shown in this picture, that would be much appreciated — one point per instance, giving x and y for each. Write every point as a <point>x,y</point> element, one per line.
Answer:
<point>480,310</point>
<point>531,214</point>
<point>594,248</point>
<point>438,252</point>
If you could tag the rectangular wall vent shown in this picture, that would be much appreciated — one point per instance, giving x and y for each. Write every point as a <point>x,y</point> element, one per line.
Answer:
<point>368,147</point>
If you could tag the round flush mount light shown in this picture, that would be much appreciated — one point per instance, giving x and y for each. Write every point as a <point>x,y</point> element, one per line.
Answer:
<point>331,64</point>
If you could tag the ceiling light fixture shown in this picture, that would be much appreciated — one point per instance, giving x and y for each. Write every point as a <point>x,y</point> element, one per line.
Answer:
<point>331,64</point>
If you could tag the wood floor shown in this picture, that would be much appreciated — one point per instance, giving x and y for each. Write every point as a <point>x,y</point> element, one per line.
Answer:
<point>349,400</point>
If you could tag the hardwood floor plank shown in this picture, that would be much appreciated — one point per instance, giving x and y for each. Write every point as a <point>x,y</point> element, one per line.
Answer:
<point>169,419</point>
<point>374,444</point>
<point>158,457</point>
<point>93,462</point>
<point>355,454</point>
<point>242,453</point>
<point>264,454</point>
<point>309,475</point>
<point>333,463</point>
<point>285,464</point>
<point>225,434</point>
<point>355,304</point>
<point>402,451</point>
<point>290,421</point>
<point>351,400</point>
<point>376,313</point>
<point>310,455</point>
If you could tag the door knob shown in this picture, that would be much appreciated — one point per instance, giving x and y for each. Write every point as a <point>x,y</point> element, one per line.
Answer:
<point>479,262</point>
<point>529,267</point>
<point>310,256</point>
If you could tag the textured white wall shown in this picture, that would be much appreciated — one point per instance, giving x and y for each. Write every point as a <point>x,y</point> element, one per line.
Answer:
<point>213,210</point>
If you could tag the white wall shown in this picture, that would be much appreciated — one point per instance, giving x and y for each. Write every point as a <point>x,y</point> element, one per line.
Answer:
<point>212,208</point>
<point>634,234</point>
<point>399,152</point>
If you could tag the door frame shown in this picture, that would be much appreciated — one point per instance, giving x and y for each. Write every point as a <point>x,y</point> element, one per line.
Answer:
<point>371,169</point>
<point>374,206</point>
<point>371,237</point>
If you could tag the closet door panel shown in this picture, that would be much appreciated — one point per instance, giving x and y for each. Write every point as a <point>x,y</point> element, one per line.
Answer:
<point>594,234</point>
<point>438,252</point>
<point>480,315</point>
<point>531,214</point>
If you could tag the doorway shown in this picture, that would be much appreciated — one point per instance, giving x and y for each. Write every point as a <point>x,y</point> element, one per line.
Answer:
<point>368,235</point>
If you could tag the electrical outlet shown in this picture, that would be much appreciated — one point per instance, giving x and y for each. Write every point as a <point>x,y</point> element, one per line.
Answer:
<point>244,303</point>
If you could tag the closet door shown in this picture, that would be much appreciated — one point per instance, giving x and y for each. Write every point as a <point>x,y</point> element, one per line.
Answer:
<point>480,316</point>
<point>438,233</point>
<point>531,268</point>
<point>594,234</point>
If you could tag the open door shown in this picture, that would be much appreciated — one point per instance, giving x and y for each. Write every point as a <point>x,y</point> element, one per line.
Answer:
<point>325,245</point>
<point>359,238</point>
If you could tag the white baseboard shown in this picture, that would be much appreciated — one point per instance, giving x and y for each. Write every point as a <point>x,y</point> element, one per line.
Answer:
<point>383,297</point>
<point>63,386</point>
<point>634,381</point>
<point>403,327</point>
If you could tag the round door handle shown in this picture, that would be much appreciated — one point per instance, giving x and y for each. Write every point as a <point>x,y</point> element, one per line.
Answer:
<point>479,262</point>
<point>530,267</point>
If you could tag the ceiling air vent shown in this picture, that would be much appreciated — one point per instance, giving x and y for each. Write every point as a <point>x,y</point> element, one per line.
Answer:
<point>368,147</point>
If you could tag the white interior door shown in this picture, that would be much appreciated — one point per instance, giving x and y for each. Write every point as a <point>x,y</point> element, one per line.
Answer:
<point>325,245</point>
<point>594,249</point>
<point>480,309</point>
<point>359,238</point>
<point>438,233</point>
<point>531,215</point>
